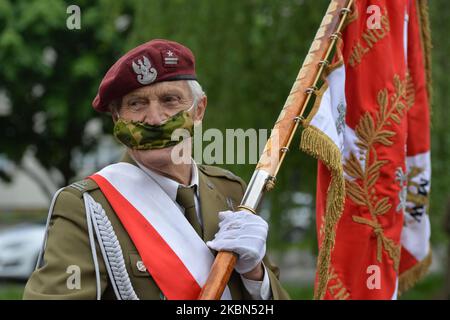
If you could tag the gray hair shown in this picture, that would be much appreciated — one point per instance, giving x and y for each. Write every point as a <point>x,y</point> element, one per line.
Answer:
<point>196,90</point>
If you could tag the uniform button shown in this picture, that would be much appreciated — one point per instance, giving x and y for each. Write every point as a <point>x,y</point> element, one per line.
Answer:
<point>210,185</point>
<point>140,266</point>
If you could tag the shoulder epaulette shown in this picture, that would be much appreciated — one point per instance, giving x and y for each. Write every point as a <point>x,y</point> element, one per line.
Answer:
<point>219,172</point>
<point>84,185</point>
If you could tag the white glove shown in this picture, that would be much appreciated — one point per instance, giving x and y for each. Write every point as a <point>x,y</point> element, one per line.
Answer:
<point>243,233</point>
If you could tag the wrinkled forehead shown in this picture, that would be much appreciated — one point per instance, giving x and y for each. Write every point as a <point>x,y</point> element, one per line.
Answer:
<point>180,87</point>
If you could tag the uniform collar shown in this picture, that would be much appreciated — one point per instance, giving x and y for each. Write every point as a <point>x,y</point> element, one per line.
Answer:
<point>170,186</point>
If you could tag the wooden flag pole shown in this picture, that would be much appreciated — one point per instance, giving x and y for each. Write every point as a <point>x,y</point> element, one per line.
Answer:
<point>263,179</point>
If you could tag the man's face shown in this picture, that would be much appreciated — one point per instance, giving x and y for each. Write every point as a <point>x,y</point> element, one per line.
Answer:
<point>153,104</point>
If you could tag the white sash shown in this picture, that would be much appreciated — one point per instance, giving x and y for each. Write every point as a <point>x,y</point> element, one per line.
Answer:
<point>153,204</point>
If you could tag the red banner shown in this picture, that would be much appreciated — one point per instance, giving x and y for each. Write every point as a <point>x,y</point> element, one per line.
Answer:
<point>382,238</point>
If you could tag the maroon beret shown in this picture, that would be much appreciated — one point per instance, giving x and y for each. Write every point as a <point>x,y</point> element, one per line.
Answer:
<point>154,61</point>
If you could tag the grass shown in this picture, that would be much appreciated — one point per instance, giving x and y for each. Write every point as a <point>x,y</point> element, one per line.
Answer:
<point>427,289</point>
<point>299,293</point>
<point>11,291</point>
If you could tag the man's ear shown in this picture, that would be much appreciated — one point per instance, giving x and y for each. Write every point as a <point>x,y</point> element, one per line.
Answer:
<point>114,108</point>
<point>200,110</point>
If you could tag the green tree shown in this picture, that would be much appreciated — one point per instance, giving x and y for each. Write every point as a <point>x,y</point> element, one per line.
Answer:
<point>51,74</point>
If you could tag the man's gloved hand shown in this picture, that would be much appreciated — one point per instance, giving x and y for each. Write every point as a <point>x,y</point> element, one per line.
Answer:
<point>243,233</point>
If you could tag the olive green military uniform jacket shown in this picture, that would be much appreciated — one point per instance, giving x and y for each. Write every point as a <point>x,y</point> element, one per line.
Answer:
<point>68,243</point>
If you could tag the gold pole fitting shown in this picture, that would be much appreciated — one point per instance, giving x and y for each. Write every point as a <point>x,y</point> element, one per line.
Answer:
<point>311,90</point>
<point>299,119</point>
<point>346,11</point>
<point>336,35</point>
<point>246,208</point>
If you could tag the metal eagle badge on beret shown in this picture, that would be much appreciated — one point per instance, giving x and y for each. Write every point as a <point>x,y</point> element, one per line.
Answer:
<point>145,72</point>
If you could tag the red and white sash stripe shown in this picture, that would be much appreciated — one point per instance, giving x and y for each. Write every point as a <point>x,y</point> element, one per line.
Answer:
<point>173,253</point>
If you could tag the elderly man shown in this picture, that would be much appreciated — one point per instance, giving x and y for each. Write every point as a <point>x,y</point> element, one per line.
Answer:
<point>149,226</point>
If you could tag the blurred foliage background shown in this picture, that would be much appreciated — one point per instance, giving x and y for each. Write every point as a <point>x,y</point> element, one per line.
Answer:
<point>248,54</point>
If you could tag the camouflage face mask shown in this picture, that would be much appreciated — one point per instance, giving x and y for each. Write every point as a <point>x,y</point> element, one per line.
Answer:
<point>142,136</point>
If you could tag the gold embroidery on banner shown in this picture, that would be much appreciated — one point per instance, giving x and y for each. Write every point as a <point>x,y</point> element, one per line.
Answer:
<point>361,185</point>
<point>418,199</point>
<point>368,40</point>
<point>337,290</point>
<point>410,93</point>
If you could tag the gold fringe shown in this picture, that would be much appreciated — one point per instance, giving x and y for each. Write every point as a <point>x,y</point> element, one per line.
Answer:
<point>410,277</point>
<point>320,146</point>
<point>424,19</point>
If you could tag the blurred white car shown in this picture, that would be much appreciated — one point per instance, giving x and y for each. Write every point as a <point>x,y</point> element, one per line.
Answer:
<point>19,250</point>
